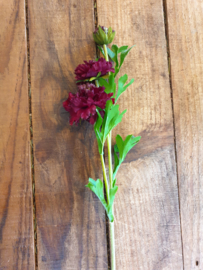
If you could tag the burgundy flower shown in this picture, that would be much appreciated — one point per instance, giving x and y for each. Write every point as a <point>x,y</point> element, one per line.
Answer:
<point>82,105</point>
<point>92,68</point>
<point>85,86</point>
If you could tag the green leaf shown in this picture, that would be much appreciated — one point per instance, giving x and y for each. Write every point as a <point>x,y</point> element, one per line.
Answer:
<point>98,133</point>
<point>102,127</point>
<point>129,143</point>
<point>116,159</point>
<point>112,194</point>
<point>122,48</point>
<point>123,55</point>
<point>116,164</point>
<point>101,50</point>
<point>121,88</point>
<point>114,48</point>
<point>110,86</point>
<point>112,118</point>
<point>114,182</point>
<point>123,148</point>
<point>98,189</point>
<point>92,182</point>
<point>103,82</point>
<point>111,54</point>
<point>116,148</point>
<point>115,170</point>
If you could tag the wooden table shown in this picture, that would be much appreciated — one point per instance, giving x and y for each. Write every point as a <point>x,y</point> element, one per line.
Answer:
<point>45,163</point>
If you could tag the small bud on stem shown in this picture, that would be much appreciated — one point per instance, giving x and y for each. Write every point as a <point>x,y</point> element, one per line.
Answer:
<point>103,35</point>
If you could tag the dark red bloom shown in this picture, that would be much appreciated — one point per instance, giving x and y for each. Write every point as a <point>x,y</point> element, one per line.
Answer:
<point>82,105</point>
<point>92,68</point>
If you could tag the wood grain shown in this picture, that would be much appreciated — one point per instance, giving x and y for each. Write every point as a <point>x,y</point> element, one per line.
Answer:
<point>16,218</point>
<point>147,222</point>
<point>185,20</point>
<point>70,220</point>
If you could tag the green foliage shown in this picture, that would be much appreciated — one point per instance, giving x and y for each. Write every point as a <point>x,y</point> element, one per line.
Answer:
<point>101,49</point>
<point>113,54</point>
<point>112,117</point>
<point>110,86</point>
<point>99,136</point>
<point>98,188</point>
<point>122,48</point>
<point>121,85</point>
<point>102,127</point>
<point>114,57</point>
<point>123,147</point>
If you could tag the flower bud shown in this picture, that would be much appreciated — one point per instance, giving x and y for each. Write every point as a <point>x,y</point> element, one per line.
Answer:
<point>103,35</point>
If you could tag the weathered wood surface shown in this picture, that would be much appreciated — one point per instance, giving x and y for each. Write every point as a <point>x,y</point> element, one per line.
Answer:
<point>71,222</point>
<point>16,219</point>
<point>185,20</point>
<point>71,225</point>
<point>147,224</point>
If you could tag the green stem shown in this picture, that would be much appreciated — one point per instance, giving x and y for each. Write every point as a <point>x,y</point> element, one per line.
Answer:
<point>112,243</point>
<point>97,83</point>
<point>105,178</point>
<point>112,236</point>
<point>106,53</point>
<point>110,160</point>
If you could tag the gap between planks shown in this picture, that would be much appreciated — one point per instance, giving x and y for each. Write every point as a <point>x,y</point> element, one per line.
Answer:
<point>173,113</point>
<point>31,135</point>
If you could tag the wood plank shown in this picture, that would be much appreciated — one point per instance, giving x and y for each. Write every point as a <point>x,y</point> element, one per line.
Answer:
<point>185,20</point>
<point>16,213</point>
<point>146,207</point>
<point>70,220</point>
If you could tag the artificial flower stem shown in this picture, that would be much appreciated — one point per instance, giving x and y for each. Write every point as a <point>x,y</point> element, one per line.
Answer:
<point>106,53</point>
<point>112,246</point>
<point>105,178</point>
<point>110,160</point>
<point>112,235</point>
<point>109,136</point>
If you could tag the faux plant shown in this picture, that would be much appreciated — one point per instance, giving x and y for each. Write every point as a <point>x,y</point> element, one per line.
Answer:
<point>96,102</point>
